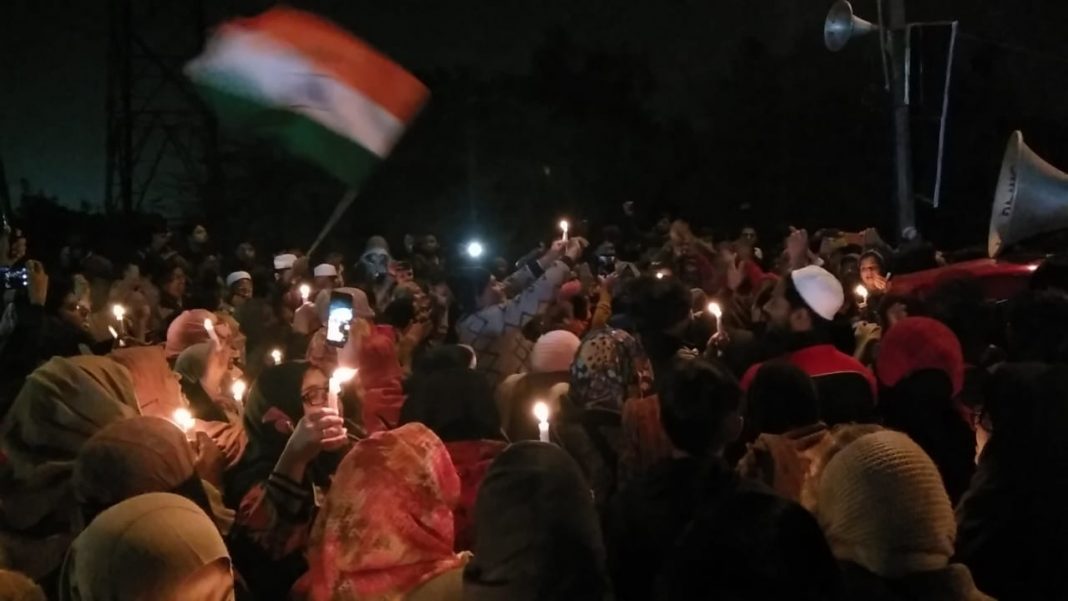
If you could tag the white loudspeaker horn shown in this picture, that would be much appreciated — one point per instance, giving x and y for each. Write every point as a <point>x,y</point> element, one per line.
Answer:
<point>1031,198</point>
<point>842,25</point>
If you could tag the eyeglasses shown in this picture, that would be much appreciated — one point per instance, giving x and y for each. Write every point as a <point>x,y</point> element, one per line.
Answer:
<point>315,396</point>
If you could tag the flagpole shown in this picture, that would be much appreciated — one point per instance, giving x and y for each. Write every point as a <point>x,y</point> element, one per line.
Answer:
<point>342,205</point>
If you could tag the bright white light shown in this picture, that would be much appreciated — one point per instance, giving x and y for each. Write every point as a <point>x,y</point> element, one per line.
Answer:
<point>660,275</point>
<point>861,291</point>
<point>118,311</point>
<point>714,309</point>
<point>474,250</point>
<point>305,292</point>
<point>238,389</point>
<point>344,374</point>
<point>276,356</point>
<point>564,225</point>
<point>183,419</point>
<point>541,412</point>
<point>114,334</point>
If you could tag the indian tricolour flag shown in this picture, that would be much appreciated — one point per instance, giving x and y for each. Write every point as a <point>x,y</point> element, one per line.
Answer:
<point>324,94</point>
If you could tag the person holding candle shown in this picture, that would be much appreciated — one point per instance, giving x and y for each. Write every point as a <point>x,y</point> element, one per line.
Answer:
<point>142,454</point>
<point>492,324</point>
<point>295,442</point>
<point>457,404</point>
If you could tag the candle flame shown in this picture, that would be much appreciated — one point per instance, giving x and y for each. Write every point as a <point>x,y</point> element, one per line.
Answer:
<point>715,310</point>
<point>564,225</point>
<point>541,411</point>
<point>238,388</point>
<point>183,419</point>
<point>118,311</point>
<point>861,291</point>
<point>305,292</point>
<point>276,356</point>
<point>344,374</point>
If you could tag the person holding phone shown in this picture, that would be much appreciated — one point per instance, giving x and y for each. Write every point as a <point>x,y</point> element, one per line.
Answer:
<point>492,324</point>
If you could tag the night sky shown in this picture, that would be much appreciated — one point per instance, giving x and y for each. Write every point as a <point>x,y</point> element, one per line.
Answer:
<point>1013,64</point>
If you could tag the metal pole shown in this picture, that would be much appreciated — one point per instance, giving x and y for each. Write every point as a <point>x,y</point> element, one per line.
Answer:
<point>904,200</point>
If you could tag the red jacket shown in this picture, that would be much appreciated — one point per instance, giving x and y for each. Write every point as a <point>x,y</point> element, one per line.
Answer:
<point>838,378</point>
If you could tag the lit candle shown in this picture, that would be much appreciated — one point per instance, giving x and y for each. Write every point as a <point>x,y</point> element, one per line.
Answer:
<point>119,312</point>
<point>564,225</point>
<point>660,275</point>
<point>184,420</point>
<point>210,327</point>
<point>341,376</point>
<point>715,310</point>
<point>305,292</point>
<point>238,389</point>
<point>541,413</point>
<point>276,356</point>
<point>862,294</point>
<point>115,335</point>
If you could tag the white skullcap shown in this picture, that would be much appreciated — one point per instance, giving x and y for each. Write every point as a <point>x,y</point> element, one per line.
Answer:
<point>325,270</point>
<point>821,291</point>
<point>236,277</point>
<point>285,261</point>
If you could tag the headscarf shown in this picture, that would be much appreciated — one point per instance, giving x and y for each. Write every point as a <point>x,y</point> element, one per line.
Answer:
<point>386,525</point>
<point>610,368</point>
<point>17,587</point>
<point>155,385</point>
<point>61,405</point>
<point>146,547</point>
<point>537,533</point>
<point>132,457</point>
<point>188,329</point>
<point>273,408</point>
<point>380,379</point>
<point>882,506</point>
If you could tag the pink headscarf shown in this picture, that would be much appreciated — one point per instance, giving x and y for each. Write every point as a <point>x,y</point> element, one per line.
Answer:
<point>386,526</point>
<point>156,386</point>
<point>188,329</point>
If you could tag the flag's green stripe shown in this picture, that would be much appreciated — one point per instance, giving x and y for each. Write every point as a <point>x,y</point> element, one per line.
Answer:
<point>342,157</point>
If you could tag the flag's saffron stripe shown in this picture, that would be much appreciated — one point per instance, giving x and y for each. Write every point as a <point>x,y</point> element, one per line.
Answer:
<point>338,53</point>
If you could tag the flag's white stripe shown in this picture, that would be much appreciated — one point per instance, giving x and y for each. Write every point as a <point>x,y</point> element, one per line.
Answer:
<point>252,65</point>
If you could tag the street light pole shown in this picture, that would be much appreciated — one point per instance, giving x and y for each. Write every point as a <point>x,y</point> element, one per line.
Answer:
<point>897,40</point>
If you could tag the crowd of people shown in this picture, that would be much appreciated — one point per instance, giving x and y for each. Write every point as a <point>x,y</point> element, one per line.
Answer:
<point>657,415</point>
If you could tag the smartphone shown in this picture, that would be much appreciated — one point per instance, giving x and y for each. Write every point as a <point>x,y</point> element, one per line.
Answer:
<point>13,279</point>
<point>339,319</point>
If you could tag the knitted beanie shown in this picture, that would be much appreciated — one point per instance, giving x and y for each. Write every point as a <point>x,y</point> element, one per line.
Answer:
<point>920,343</point>
<point>554,352</point>
<point>882,505</point>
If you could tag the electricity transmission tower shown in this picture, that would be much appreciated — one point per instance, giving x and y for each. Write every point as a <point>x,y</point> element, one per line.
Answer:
<point>161,139</point>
